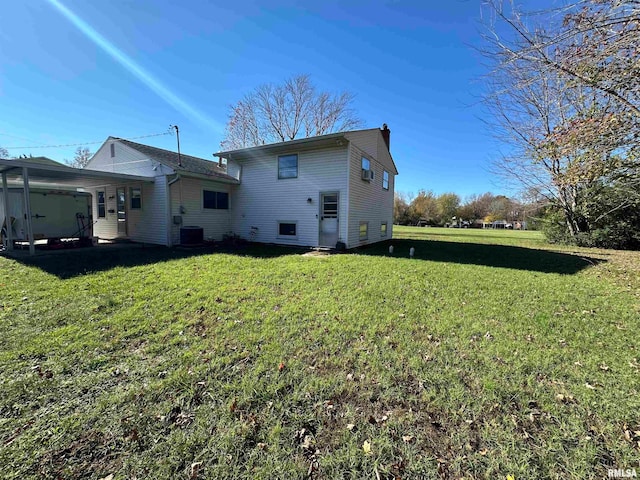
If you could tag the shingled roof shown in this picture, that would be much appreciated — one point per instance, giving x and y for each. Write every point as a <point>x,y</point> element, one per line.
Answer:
<point>187,162</point>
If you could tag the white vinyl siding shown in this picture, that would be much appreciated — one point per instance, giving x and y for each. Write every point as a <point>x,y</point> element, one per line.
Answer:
<point>261,200</point>
<point>147,224</point>
<point>125,160</point>
<point>214,222</point>
<point>368,201</point>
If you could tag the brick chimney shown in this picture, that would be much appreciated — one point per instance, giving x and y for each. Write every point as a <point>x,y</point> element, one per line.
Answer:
<point>386,134</point>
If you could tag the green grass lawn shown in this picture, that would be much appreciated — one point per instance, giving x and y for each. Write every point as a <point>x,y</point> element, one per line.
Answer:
<point>489,354</point>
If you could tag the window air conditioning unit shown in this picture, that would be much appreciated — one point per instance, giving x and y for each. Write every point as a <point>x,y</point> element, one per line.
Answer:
<point>367,175</point>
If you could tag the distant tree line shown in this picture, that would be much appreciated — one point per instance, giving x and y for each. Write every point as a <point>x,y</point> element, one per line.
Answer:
<point>427,208</point>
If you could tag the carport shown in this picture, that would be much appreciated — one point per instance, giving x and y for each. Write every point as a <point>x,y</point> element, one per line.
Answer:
<point>44,173</point>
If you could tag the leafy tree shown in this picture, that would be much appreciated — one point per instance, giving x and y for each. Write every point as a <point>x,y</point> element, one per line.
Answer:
<point>424,207</point>
<point>565,93</point>
<point>401,209</point>
<point>292,109</point>
<point>448,204</point>
<point>81,158</point>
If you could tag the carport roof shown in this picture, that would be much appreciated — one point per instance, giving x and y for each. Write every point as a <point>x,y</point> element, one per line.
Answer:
<point>46,172</point>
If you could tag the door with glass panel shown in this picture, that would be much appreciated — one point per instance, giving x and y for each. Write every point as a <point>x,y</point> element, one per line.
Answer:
<point>121,209</point>
<point>329,219</point>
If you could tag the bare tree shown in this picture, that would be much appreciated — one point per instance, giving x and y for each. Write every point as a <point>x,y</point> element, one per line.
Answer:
<point>277,113</point>
<point>4,153</point>
<point>565,95</point>
<point>81,158</point>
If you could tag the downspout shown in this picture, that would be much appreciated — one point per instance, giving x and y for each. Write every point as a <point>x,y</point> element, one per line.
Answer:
<point>169,217</point>
<point>169,209</point>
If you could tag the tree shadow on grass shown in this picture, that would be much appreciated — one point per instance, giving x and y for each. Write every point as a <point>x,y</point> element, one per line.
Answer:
<point>72,263</point>
<point>489,255</point>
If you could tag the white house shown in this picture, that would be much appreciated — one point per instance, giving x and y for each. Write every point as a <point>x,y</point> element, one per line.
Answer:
<point>331,190</point>
<point>315,191</point>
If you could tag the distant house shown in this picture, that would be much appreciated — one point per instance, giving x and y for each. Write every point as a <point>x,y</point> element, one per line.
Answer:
<point>319,191</point>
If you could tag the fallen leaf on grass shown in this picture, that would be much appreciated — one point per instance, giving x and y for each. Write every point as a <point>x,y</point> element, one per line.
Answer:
<point>281,366</point>
<point>108,477</point>
<point>350,426</point>
<point>589,386</point>
<point>195,468</point>
<point>366,447</point>
<point>407,438</point>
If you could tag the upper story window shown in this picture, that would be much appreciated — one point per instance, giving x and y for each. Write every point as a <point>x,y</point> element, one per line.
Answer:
<point>385,180</point>
<point>215,200</point>
<point>367,173</point>
<point>112,147</point>
<point>288,166</point>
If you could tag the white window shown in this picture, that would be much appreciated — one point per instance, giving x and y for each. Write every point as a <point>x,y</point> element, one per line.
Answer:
<point>383,229</point>
<point>385,180</point>
<point>287,229</point>
<point>364,230</point>
<point>135,193</point>
<point>288,166</point>
<point>101,202</point>
<point>367,172</point>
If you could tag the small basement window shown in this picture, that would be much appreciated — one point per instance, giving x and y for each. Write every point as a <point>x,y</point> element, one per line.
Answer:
<point>212,200</point>
<point>383,229</point>
<point>385,180</point>
<point>136,198</point>
<point>102,210</point>
<point>288,166</point>
<point>287,229</point>
<point>364,230</point>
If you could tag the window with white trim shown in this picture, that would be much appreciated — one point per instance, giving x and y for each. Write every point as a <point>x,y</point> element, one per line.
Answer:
<point>385,180</point>
<point>383,229</point>
<point>367,172</point>
<point>287,229</point>
<point>364,230</point>
<point>101,203</point>
<point>288,166</point>
<point>135,193</point>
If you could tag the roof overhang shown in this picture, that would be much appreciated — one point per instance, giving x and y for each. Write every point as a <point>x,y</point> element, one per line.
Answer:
<point>64,176</point>
<point>323,141</point>
<point>212,178</point>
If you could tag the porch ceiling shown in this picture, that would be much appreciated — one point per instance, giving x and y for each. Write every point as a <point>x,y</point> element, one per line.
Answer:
<point>63,176</point>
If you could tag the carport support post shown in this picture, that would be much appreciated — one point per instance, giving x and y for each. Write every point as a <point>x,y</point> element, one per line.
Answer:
<point>27,210</point>
<point>7,217</point>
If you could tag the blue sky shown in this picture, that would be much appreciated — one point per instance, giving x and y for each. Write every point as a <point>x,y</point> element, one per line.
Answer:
<point>410,63</point>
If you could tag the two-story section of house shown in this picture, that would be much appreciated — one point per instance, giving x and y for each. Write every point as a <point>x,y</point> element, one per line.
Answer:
<point>327,191</point>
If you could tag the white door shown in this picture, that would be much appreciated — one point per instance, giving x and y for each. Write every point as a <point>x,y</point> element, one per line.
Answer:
<point>121,208</point>
<point>328,220</point>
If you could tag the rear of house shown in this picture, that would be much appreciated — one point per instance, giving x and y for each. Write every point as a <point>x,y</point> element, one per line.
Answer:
<point>331,191</point>
<point>322,191</point>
